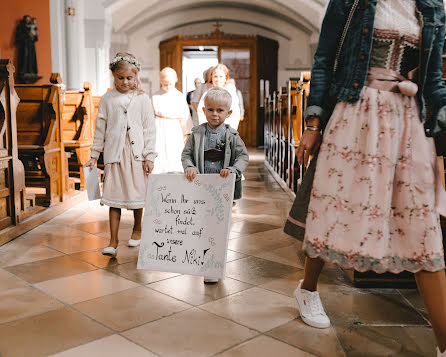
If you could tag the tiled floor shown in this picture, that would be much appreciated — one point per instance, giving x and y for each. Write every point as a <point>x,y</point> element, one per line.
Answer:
<point>60,296</point>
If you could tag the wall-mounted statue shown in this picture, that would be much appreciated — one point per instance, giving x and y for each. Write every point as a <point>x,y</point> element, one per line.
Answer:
<point>26,36</point>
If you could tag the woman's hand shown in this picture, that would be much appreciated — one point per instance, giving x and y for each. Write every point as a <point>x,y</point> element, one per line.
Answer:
<point>147,166</point>
<point>190,174</point>
<point>309,143</point>
<point>91,163</point>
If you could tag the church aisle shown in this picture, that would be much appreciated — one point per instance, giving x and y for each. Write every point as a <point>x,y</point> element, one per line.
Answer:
<point>60,296</point>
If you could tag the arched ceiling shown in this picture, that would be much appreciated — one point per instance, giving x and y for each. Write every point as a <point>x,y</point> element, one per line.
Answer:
<point>129,16</point>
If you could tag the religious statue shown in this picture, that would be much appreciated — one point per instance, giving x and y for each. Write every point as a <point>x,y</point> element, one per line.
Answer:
<point>26,36</point>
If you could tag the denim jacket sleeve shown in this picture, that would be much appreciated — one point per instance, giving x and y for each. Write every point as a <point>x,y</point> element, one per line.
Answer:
<point>321,73</point>
<point>435,89</point>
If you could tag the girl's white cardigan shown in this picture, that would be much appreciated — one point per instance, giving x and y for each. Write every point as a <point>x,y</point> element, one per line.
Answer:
<point>112,124</point>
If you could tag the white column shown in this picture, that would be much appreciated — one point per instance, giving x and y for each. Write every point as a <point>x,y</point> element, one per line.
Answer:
<point>75,44</point>
<point>58,48</point>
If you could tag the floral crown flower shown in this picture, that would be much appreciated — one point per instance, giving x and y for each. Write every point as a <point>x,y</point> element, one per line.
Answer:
<point>128,59</point>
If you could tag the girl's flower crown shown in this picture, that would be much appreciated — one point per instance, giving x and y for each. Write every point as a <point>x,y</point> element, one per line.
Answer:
<point>128,59</point>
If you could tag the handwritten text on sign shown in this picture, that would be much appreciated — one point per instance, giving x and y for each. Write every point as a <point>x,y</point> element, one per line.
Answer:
<point>186,224</point>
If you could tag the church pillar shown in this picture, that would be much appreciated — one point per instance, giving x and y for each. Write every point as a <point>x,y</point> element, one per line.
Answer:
<point>75,43</point>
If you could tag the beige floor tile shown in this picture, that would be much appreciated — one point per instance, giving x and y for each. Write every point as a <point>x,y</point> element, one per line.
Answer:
<point>49,269</point>
<point>9,281</point>
<point>415,300</point>
<point>331,280</point>
<point>96,258</point>
<point>110,346</point>
<point>249,227</point>
<point>256,271</point>
<point>264,346</point>
<point>260,242</point>
<point>131,308</point>
<point>257,308</point>
<point>319,342</point>
<point>191,288</point>
<point>25,301</point>
<point>232,255</point>
<point>45,334</point>
<point>130,272</point>
<point>78,243</point>
<point>284,255</point>
<point>393,341</point>
<point>284,285</point>
<point>34,253</point>
<point>85,286</point>
<point>189,333</point>
<point>369,308</point>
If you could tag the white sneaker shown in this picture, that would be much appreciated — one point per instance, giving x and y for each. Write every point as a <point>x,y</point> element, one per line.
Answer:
<point>110,251</point>
<point>310,307</point>
<point>440,354</point>
<point>210,280</point>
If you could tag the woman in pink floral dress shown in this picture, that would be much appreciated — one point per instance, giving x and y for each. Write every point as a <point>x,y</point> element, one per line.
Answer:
<point>377,194</point>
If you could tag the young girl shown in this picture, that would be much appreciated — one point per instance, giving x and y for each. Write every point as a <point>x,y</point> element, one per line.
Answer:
<point>125,132</point>
<point>220,79</point>
<point>377,195</point>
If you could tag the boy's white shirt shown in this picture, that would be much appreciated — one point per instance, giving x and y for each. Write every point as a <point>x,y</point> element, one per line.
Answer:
<point>112,125</point>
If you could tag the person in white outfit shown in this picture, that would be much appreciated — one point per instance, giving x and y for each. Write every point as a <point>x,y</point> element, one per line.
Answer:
<point>173,123</point>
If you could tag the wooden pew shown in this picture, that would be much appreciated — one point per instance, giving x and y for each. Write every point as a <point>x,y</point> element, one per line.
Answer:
<point>15,203</point>
<point>78,130</point>
<point>40,145</point>
<point>296,98</point>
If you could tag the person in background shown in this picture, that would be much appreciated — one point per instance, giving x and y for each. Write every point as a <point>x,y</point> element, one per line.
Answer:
<point>193,112</point>
<point>198,93</point>
<point>173,123</point>
<point>220,78</point>
<point>125,132</point>
<point>240,99</point>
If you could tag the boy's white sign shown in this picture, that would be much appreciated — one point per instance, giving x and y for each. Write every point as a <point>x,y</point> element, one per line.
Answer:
<point>186,224</point>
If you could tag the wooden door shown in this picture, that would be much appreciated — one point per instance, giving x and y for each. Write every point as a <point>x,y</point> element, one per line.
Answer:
<point>267,65</point>
<point>171,55</point>
<point>239,62</point>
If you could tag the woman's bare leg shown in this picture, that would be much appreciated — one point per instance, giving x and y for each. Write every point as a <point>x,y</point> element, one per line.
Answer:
<point>115,218</point>
<point>137,215</point>
<point>313,268</point>
<point>432,288</point>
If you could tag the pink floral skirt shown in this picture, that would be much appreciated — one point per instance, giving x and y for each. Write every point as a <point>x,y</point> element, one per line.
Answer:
<point>377,193</point>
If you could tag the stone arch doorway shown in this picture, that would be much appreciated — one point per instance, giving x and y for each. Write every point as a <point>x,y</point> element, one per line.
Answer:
<point>251,75</point>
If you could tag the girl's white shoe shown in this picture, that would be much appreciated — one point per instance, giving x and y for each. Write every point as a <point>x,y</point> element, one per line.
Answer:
<point>134,242</point>
<point>441,354</point>
<point>110,251</point>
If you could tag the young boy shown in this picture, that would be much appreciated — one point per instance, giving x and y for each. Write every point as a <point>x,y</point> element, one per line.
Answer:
<point>214,147</point>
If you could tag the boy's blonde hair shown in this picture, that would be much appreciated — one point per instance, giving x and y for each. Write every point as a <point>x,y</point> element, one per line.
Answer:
<point>123,61</point>
<point>219,95</point>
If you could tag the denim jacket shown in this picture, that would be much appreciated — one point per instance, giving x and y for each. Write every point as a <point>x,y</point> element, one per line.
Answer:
<point>347,82</point>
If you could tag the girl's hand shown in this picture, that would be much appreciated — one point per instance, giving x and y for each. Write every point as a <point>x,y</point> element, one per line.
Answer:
<point>309,143</point>
<point>147,166</point>
<point>225,173</point>
<point>190,174</point>
<point>91,163</point>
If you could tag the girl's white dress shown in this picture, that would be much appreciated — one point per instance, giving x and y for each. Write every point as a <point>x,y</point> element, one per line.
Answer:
<point>125,182</point>
<point>377,194</point>
<point>173,122</point>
